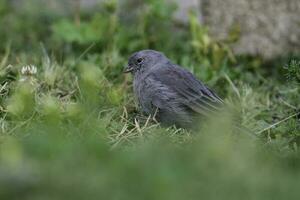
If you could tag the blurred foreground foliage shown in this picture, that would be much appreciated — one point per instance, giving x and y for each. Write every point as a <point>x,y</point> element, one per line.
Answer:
<point>72,130</point>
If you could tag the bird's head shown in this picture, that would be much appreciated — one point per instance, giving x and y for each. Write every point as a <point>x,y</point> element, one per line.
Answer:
<point>144,60</point>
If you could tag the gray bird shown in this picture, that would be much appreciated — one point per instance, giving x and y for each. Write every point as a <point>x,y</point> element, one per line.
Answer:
<point>168,91</point>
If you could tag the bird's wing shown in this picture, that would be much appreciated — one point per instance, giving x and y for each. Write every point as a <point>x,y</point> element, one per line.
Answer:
<point>191,92</point>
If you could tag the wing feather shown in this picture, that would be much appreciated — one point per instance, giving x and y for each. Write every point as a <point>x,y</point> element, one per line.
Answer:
<point>192,92</point>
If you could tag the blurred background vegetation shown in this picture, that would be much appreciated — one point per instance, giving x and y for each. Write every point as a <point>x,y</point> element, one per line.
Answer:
<point>72,129</point>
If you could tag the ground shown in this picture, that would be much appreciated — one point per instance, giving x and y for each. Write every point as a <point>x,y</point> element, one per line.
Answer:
<point>70,127</point>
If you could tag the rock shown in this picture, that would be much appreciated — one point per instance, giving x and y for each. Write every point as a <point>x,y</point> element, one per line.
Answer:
<point>269,28</point>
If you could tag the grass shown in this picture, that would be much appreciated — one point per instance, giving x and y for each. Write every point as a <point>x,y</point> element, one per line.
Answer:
<point>72,130</point>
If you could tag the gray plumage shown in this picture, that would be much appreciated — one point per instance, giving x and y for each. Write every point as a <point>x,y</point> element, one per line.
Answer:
<point>169,91</point>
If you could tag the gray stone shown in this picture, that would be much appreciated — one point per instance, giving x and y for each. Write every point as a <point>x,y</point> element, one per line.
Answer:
<point>269,28</point>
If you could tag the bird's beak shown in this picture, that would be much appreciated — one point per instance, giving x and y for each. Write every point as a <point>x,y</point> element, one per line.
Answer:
<point>128,69</point>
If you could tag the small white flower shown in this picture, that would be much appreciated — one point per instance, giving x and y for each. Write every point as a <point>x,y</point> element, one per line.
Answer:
<point>29,70</point>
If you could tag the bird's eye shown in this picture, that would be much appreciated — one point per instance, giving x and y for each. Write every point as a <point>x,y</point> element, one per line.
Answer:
<point>140,60</point>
